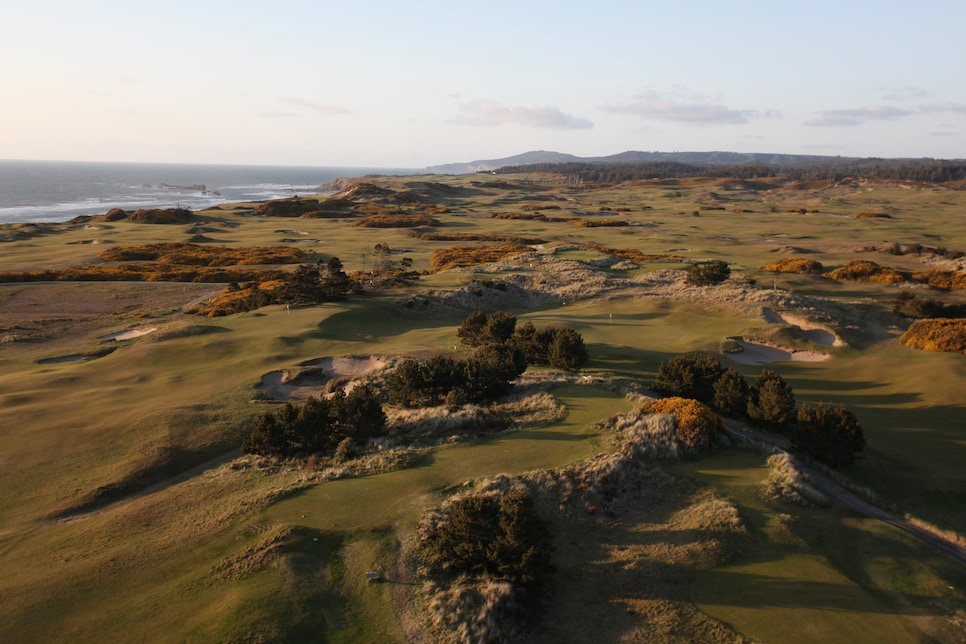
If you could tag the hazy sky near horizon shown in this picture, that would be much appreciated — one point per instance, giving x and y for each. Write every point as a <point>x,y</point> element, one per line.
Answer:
<point>411,84</point>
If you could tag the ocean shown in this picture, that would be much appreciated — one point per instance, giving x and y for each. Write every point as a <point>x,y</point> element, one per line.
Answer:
<point>56,191</point>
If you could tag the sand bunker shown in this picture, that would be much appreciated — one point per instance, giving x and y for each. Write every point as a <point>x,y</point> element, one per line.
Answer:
<point>130,334</point>
<point>755,353</point>
<point>313,381</point>
<point>811,331</point>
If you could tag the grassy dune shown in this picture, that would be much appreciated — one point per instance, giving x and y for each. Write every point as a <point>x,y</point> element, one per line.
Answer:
<point>109,523</point>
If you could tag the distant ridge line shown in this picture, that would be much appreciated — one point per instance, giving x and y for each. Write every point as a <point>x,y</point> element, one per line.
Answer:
<point>633,156</point>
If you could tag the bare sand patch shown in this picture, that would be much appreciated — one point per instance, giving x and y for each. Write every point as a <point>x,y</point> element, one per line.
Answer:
<point>130,334</point>
<point>755,353</point>
<point>813,332</point>
<point>313,380</point>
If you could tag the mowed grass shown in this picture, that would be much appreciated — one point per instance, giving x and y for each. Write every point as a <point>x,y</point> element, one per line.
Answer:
<point>141,567</point>
<point>150,568</point>
<point>821,574</point>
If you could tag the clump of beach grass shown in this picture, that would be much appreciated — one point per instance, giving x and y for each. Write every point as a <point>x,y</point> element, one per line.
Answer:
<point>786,483</point>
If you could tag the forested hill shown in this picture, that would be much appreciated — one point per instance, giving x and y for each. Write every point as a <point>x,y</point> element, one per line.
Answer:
<point>632,156</point>
<point>820,169</point>
<point>632,165</point>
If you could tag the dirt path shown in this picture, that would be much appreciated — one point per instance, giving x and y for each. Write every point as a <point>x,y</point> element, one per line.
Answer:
<point>847,499</point>
<point>840,496</point>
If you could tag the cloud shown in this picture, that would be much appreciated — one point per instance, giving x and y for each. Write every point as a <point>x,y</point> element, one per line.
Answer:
<point>324,108</point>
<point>853,117</point>
<point>694,110</point>
<point>904,93</point>
<point>487,113</point>
<point>273,114</point>
<point>955,108</point>
<point>862,115</point>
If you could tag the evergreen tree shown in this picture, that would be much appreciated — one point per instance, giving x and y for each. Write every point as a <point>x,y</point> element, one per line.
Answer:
<point>566,350</point>
<point>471,331</point>
<point>689,375</point>
<point>731,393</point>
<point>772,402</point>
<point>831,435</point>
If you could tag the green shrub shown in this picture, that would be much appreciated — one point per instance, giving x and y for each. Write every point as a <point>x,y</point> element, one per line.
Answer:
<point>831,435</point>
<point>690,375</point>
<point>708,273</point>
<point>772,402</point>
<point>499,537</point>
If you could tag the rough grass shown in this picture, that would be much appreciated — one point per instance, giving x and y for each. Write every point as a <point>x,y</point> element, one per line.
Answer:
<point>71,428</point>
<point>787,484</point>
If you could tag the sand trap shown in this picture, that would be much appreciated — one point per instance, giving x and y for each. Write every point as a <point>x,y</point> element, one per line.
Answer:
<point>130,334</point>
<point>813,332</point>
<point>755,353</point>
<point>313,382</point>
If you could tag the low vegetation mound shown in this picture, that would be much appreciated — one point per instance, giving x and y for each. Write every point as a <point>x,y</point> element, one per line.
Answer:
<point>485,237</point>
<point>708,273</point>
<point>633,255</point>
<point>872,215</point>
<point>599,223</point>
<point>144,216</point>
<point>786,483</point>
<point>199,255</point>
<point>864,270</point>
<point>937,334</point>
<point>461,256</point>
<point>942,280</point>
<point>396,221</point>
<point>144,272</point>
<point>161,216</point>
<point>527,216</point>
<point>297,207</point>
<point>794,265</point>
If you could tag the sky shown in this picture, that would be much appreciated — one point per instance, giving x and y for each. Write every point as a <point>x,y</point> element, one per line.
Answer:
<point>411,84</point>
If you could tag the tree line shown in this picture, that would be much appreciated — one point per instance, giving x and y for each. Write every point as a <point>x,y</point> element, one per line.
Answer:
<point>830,434</point>
<point>832,170</point>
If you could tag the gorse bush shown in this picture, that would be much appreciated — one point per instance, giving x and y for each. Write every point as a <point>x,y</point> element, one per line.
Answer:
<point>937,334</point>
<point>794,265</point>
<point>696,425</point>
<point>456,256</point>
<point>863,270</point>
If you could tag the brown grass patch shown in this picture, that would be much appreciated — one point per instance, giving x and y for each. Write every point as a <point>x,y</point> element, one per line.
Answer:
<point>485,237</point>
<point>872,215</point>
<point>456,256</point>
<point>198,255</point>
<point>599,223</point>
<point>396,221</point>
